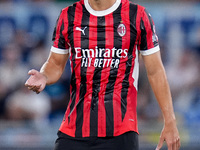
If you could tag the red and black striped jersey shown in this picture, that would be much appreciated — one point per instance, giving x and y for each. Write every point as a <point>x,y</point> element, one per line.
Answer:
<point>103,48</point>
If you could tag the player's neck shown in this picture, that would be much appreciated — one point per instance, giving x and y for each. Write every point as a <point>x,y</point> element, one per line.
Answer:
<point>100,5</point>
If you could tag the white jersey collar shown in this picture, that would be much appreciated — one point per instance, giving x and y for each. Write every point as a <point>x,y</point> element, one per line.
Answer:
<point>103,12</point>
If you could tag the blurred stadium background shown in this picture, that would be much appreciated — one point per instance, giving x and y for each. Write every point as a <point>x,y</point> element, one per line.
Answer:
<point>30,122</point>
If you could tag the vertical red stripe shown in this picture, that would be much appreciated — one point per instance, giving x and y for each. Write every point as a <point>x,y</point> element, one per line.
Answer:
<point>131,116</point>
<point>132,93</point>
<point>71,63</point>
<point>65,18</point>
<point>90,74</point>
<point>138,19</point>
<point>109,35</point>
<point>121,71</point>
<point>130,119</point>
<point>77,68</point>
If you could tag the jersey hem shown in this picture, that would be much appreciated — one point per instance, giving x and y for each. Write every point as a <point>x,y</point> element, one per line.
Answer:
<point>69,133</point>
<point>150,51</point>
<point>59,51</point>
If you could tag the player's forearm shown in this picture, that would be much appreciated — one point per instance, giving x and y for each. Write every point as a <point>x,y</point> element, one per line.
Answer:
<point>51,71</point>
<point>54,66</point>
<point>160,86</point>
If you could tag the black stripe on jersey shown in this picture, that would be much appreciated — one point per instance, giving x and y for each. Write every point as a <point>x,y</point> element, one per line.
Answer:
<point>61,43</point>
<point>125,84</point>
<point>143,40</point>
<point>150,19</point>
<point>155,42</point>
<point>71,14</point>
<point>97,78</point>
<point>83,88</point>
<point>112,78</point>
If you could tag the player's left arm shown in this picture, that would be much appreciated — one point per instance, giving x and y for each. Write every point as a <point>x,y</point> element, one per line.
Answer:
<point>158,80</point>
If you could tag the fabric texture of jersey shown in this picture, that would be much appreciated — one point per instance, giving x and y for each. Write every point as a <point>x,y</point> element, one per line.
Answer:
<point>103,48</point>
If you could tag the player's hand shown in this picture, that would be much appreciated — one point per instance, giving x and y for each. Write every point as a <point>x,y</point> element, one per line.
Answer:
<point>171,136</point>
<point>36,81</point>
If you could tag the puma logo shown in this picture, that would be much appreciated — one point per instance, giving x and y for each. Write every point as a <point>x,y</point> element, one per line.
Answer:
<point>82,30</point>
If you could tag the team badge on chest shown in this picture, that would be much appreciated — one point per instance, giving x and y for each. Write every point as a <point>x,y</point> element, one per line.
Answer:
<point>121,29</point>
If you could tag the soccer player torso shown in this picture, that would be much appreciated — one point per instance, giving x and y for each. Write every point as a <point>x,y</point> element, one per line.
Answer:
<point>104,63</point>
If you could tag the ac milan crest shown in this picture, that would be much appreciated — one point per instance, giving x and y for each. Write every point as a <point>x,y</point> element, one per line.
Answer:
<point>121,29</point>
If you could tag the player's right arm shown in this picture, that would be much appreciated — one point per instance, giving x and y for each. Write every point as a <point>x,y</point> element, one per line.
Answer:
<point>49,73</point>
<point>53,68</point>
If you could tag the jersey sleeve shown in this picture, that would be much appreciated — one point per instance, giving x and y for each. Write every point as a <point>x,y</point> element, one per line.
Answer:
<point>60,35</point>
<point>148,43</point>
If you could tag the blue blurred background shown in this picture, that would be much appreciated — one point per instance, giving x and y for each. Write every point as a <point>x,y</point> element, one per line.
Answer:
<point>30,122</point>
